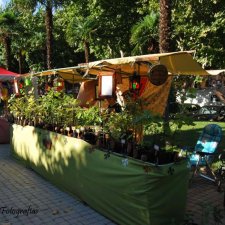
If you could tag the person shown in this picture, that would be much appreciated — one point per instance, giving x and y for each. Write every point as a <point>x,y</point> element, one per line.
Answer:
<point>4,96</point>
<point>113,105</point>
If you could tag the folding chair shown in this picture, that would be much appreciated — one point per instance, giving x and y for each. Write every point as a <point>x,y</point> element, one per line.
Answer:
<point>205,151</point>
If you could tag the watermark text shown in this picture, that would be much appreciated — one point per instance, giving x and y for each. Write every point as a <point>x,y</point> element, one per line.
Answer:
<point>18,211</point>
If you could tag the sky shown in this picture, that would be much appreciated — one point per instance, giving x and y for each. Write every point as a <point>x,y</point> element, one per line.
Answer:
<point>3,2</point>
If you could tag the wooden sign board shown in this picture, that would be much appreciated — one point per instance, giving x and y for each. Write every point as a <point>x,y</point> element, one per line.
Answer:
<point>158,74</point>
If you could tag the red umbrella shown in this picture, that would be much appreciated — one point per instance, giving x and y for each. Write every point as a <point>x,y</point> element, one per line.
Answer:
<point>7,75</point>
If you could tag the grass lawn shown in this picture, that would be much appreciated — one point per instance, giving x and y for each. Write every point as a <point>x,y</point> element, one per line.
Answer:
<point>188,135</point>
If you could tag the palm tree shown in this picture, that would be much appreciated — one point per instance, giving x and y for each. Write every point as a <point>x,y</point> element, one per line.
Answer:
<point>165,26</point>
<point>165,44</point>
<point>144,35</point>
<point>49,5</point>
<point>79,33</point>
<point>7,23</point>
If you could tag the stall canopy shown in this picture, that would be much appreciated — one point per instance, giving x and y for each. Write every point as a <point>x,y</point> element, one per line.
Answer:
<point>177,63</point>
<point>6,75</point>
<point>70,74</point>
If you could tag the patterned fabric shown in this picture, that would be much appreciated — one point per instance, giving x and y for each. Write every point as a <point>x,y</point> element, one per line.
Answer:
<point>207,142</point>
<point>209,139</point>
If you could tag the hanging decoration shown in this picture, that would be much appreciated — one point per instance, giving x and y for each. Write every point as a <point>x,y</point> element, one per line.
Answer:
<point>27,81</point>
<point>135,81</point>
<point>158,74</point>
<point>58,83</point>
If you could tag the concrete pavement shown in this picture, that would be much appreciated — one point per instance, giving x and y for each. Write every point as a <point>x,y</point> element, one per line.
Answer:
<point>26,198</point>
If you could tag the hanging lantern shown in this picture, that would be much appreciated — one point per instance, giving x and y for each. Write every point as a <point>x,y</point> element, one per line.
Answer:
<point>27,81</point>
<point>135,82</point>
<point>58,84</point>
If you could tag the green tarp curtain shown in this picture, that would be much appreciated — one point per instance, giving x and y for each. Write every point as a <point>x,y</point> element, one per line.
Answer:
<point>126,190</point>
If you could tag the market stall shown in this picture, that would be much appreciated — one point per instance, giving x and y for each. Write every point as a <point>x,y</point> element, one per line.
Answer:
<point>117,184</point>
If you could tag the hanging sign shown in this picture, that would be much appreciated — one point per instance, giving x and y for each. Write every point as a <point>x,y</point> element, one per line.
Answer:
<point>106,84</point>
<point>158,74</point>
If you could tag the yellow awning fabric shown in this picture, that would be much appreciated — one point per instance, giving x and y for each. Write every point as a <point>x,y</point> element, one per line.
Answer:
<point>182,64</point>
<point>177,63</point>
<point>70,74</point>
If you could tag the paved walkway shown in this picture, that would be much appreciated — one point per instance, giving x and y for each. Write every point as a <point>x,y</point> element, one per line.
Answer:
<point>38,202</point>
<point>41,202</point>
<point>205,203</point>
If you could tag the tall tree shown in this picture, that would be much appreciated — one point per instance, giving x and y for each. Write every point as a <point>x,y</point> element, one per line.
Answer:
<point>165,26</point>
<point>7,24</point>
<point>48,5</point>
<point>115,21</point>
<point>165,45</point>
<point>21,44</point>
<point>79,33</point>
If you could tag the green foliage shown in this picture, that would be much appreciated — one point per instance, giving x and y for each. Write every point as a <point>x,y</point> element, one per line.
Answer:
<point>130,120</point>
<point>198,25</point>
<point>118,124</point>
<point>115,19</point>
<point>144,34</point>
<point>57,108</point>
<point>80,33</point>
<point>17,106</point>
<point>54,108</point>
<point>89,117</point>
<point>109,29</point>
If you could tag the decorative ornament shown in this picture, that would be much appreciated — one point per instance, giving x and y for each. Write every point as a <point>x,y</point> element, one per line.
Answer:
<point>135,82</point>
<point>59,84</point>
<point>158,74</point>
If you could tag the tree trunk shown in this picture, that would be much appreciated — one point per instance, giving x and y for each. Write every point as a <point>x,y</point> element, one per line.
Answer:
<point>7,45</point>
<point>165,26</point>
<point>49,35</point>
<point>20,62</point>
<point>86,51</point>
<point>165,46</point>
